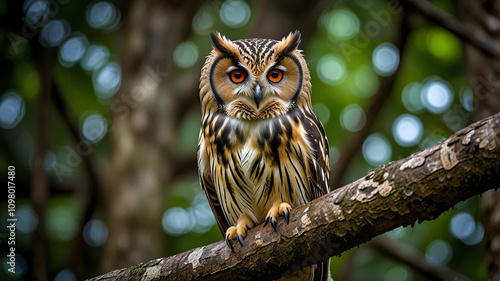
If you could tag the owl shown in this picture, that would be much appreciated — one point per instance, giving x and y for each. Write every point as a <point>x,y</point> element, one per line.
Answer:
<point>262,150</point>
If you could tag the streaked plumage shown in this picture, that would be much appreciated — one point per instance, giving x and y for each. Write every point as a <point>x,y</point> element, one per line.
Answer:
<point>262,150</point>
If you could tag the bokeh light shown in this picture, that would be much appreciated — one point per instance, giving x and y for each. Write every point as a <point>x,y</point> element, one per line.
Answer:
<point>21,266</point>
<point>103,15</point>
<point>27,219</point>
<point>93,127</point>
<point>186,54</point>
<point>443,45</point>
<point>95,233</point>
<point>323,112</point>
<point>331,69</point>
<point>407,130</point>
<point>107,80</point>
<point>235,13</point>
<point>437,95</point>
<point>438,252</point>
<point>12,109</point>
<point>62,223</point>
<point>376,149</point>
<point>54,32</point>
<point>464,227</point>
<point>385,59</point>
<point>95,56</point>
<point>177,221</point>
<point>467,99</point>
<point>72,50</point>
<point>49,161</point>
<point>476,237</point>
<point>37,12</point>
<point>342,24</point>
<point>203,22</point>
<point>334,155</point>
<point>201,212</point>
<point>365,82</point>
<point>397,273</point>
<point>397,233</point>
<point>65,275</point>
<point>352,118</point>
<point>412,99</point>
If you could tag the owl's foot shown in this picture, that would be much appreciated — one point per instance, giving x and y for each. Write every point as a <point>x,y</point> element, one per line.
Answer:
<point>238,232</point>
<point>277,210</point>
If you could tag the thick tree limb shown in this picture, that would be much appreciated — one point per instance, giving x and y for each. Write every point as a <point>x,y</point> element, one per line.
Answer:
<point>417,188</point>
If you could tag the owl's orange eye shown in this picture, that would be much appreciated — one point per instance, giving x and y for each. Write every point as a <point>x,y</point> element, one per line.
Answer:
<point>237,76</point>
<point>275,75</point>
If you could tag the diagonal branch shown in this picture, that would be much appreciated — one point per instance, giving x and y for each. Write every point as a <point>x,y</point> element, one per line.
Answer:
<point>414,259</point>
<point>400,193</point>
<point>467,33</point>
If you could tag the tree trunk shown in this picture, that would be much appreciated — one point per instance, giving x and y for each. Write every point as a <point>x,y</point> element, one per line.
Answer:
<point>144,129</point>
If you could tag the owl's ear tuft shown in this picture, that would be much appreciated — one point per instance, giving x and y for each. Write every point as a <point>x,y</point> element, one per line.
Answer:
<point>221,43</point>
<point>289,43</point>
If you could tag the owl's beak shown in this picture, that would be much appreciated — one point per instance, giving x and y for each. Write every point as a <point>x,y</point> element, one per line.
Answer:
<point>257,95</point>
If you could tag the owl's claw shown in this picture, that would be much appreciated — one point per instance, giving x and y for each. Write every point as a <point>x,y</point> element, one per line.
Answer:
<point>277,210</point>
<point>228,242</point>
<point>238,232</point>
<point>239,239</point>
<point>273,222</point>
<point>287,216</point>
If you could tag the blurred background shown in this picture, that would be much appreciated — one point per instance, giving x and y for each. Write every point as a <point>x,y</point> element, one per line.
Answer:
<point>99,114</point>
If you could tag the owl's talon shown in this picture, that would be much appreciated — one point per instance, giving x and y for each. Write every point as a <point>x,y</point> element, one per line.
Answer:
<point>238,232</point>
<point>277,210</point>
<point>239,239</point>
<point>273,223</point>
<point>228,242</point>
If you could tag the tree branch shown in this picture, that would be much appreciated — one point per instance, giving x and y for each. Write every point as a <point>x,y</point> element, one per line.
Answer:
<point>467,33</point>
<point>414,259</point>
<point>417,188</point>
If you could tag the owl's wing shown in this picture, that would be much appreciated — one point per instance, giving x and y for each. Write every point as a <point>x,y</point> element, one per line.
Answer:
<point>319,171</point>
<point>208,186</point>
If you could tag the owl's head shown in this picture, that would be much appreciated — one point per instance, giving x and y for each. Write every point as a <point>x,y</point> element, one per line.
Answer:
<point>254,79</point>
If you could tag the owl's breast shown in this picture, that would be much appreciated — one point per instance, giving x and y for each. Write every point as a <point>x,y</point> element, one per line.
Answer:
<point>255,163</point>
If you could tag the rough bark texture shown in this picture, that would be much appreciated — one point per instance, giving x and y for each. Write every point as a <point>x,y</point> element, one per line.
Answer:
<point>484,79</point>
<point>144,129</point>
<point>400,193</point>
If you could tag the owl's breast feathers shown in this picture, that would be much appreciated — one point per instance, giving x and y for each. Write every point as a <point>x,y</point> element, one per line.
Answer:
<point>245,166</point>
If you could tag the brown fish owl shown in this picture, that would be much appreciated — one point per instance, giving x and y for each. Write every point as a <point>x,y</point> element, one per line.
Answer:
<point>261,150</point>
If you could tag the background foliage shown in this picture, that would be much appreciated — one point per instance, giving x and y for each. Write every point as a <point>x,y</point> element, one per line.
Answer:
<point>352,50</point>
